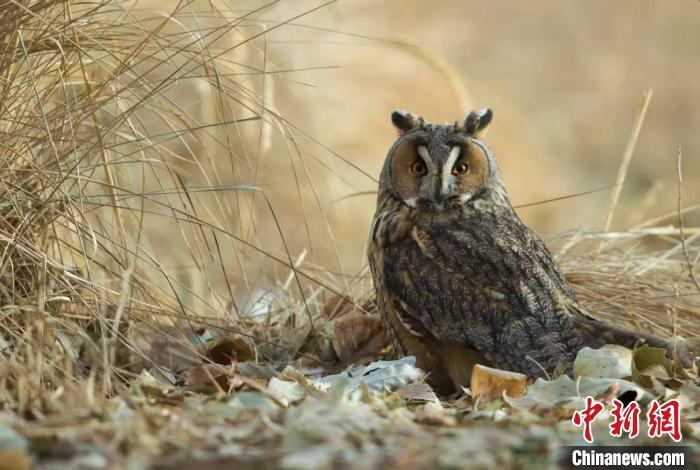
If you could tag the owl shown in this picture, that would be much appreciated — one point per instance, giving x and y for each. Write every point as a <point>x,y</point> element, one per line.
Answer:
<point>459,278</point>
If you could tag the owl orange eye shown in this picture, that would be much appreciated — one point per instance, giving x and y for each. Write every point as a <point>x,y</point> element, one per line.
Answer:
<point>460,168</point>
<point>418,168</point>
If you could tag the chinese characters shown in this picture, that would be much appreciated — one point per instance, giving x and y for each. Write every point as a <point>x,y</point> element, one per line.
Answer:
<point>662,419</point>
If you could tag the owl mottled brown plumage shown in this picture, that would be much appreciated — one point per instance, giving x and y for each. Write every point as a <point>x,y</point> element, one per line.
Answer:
<point>459,278</point>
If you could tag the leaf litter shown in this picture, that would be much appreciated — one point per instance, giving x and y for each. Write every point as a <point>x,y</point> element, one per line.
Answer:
<point>382,413</point>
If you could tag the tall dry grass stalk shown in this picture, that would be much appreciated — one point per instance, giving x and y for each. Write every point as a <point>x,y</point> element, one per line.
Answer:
<point>100,108</point>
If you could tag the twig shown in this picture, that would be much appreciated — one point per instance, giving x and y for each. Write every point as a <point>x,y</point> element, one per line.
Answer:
<point>681,225</point>
<point>627,158</point>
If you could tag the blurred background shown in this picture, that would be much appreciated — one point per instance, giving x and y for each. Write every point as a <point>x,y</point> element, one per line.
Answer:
<point>564,78</point>
<point>275,118</point>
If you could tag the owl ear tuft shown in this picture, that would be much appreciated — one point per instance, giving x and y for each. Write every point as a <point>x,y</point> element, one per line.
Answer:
<point>405,121</point>
<point>476,122</point>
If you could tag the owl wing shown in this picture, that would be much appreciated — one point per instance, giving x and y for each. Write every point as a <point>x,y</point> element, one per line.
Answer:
<point>593,331</point>
<point>477,283</point>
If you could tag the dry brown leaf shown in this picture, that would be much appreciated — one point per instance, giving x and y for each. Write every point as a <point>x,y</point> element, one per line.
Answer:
<point>14,459</point>
<point>420,391</point>
<point>491,383</point>
<point>226,349</point>
<point>210,375</point>
<point>357,336</point>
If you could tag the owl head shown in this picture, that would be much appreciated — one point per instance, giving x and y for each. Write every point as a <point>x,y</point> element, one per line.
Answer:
<point>439,167</point>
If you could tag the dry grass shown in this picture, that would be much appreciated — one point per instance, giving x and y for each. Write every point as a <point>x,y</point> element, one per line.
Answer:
<point>92,145</point>
<point>87,134</point>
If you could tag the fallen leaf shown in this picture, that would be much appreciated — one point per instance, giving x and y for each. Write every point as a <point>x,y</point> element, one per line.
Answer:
<point>356,336</point>
<point>148,385</point>
<point>287,392</point>
<point>13,450</point>
<point>609,361</point>
<point>210,375</point>
<point>492,383</point>
<point>377,375</point>
<point>14,459</point>
<point>564,393</point>
<point>150,389</point>
<point>417,391</point>
<point>225,349</point>
<point>649,363</point>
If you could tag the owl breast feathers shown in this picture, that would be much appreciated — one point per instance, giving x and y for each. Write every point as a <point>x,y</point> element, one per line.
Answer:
<point>459,278</point>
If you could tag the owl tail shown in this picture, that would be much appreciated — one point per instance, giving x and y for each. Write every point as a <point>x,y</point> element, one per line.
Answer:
<point>595,333</point>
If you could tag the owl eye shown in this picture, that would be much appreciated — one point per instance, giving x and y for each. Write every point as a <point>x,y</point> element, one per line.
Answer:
<point>460,168</point>
<point>418,168</point>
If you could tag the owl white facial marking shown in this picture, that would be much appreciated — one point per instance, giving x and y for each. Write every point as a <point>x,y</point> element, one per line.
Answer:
<point>410,202</point>
<point>447,168</point>
<point>423,153</point>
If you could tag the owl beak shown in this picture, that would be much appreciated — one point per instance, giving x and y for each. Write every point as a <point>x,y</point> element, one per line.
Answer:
<point>442,191</point>
<point>441,197</point>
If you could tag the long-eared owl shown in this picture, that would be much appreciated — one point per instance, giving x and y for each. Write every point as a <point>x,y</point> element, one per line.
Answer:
<point>459,278</point>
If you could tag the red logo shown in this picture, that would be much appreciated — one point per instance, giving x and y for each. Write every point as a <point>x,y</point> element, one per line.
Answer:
<point>661,419</point>
<point>664,419</point>
<point>586,416</point>
<point>625,418</point>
